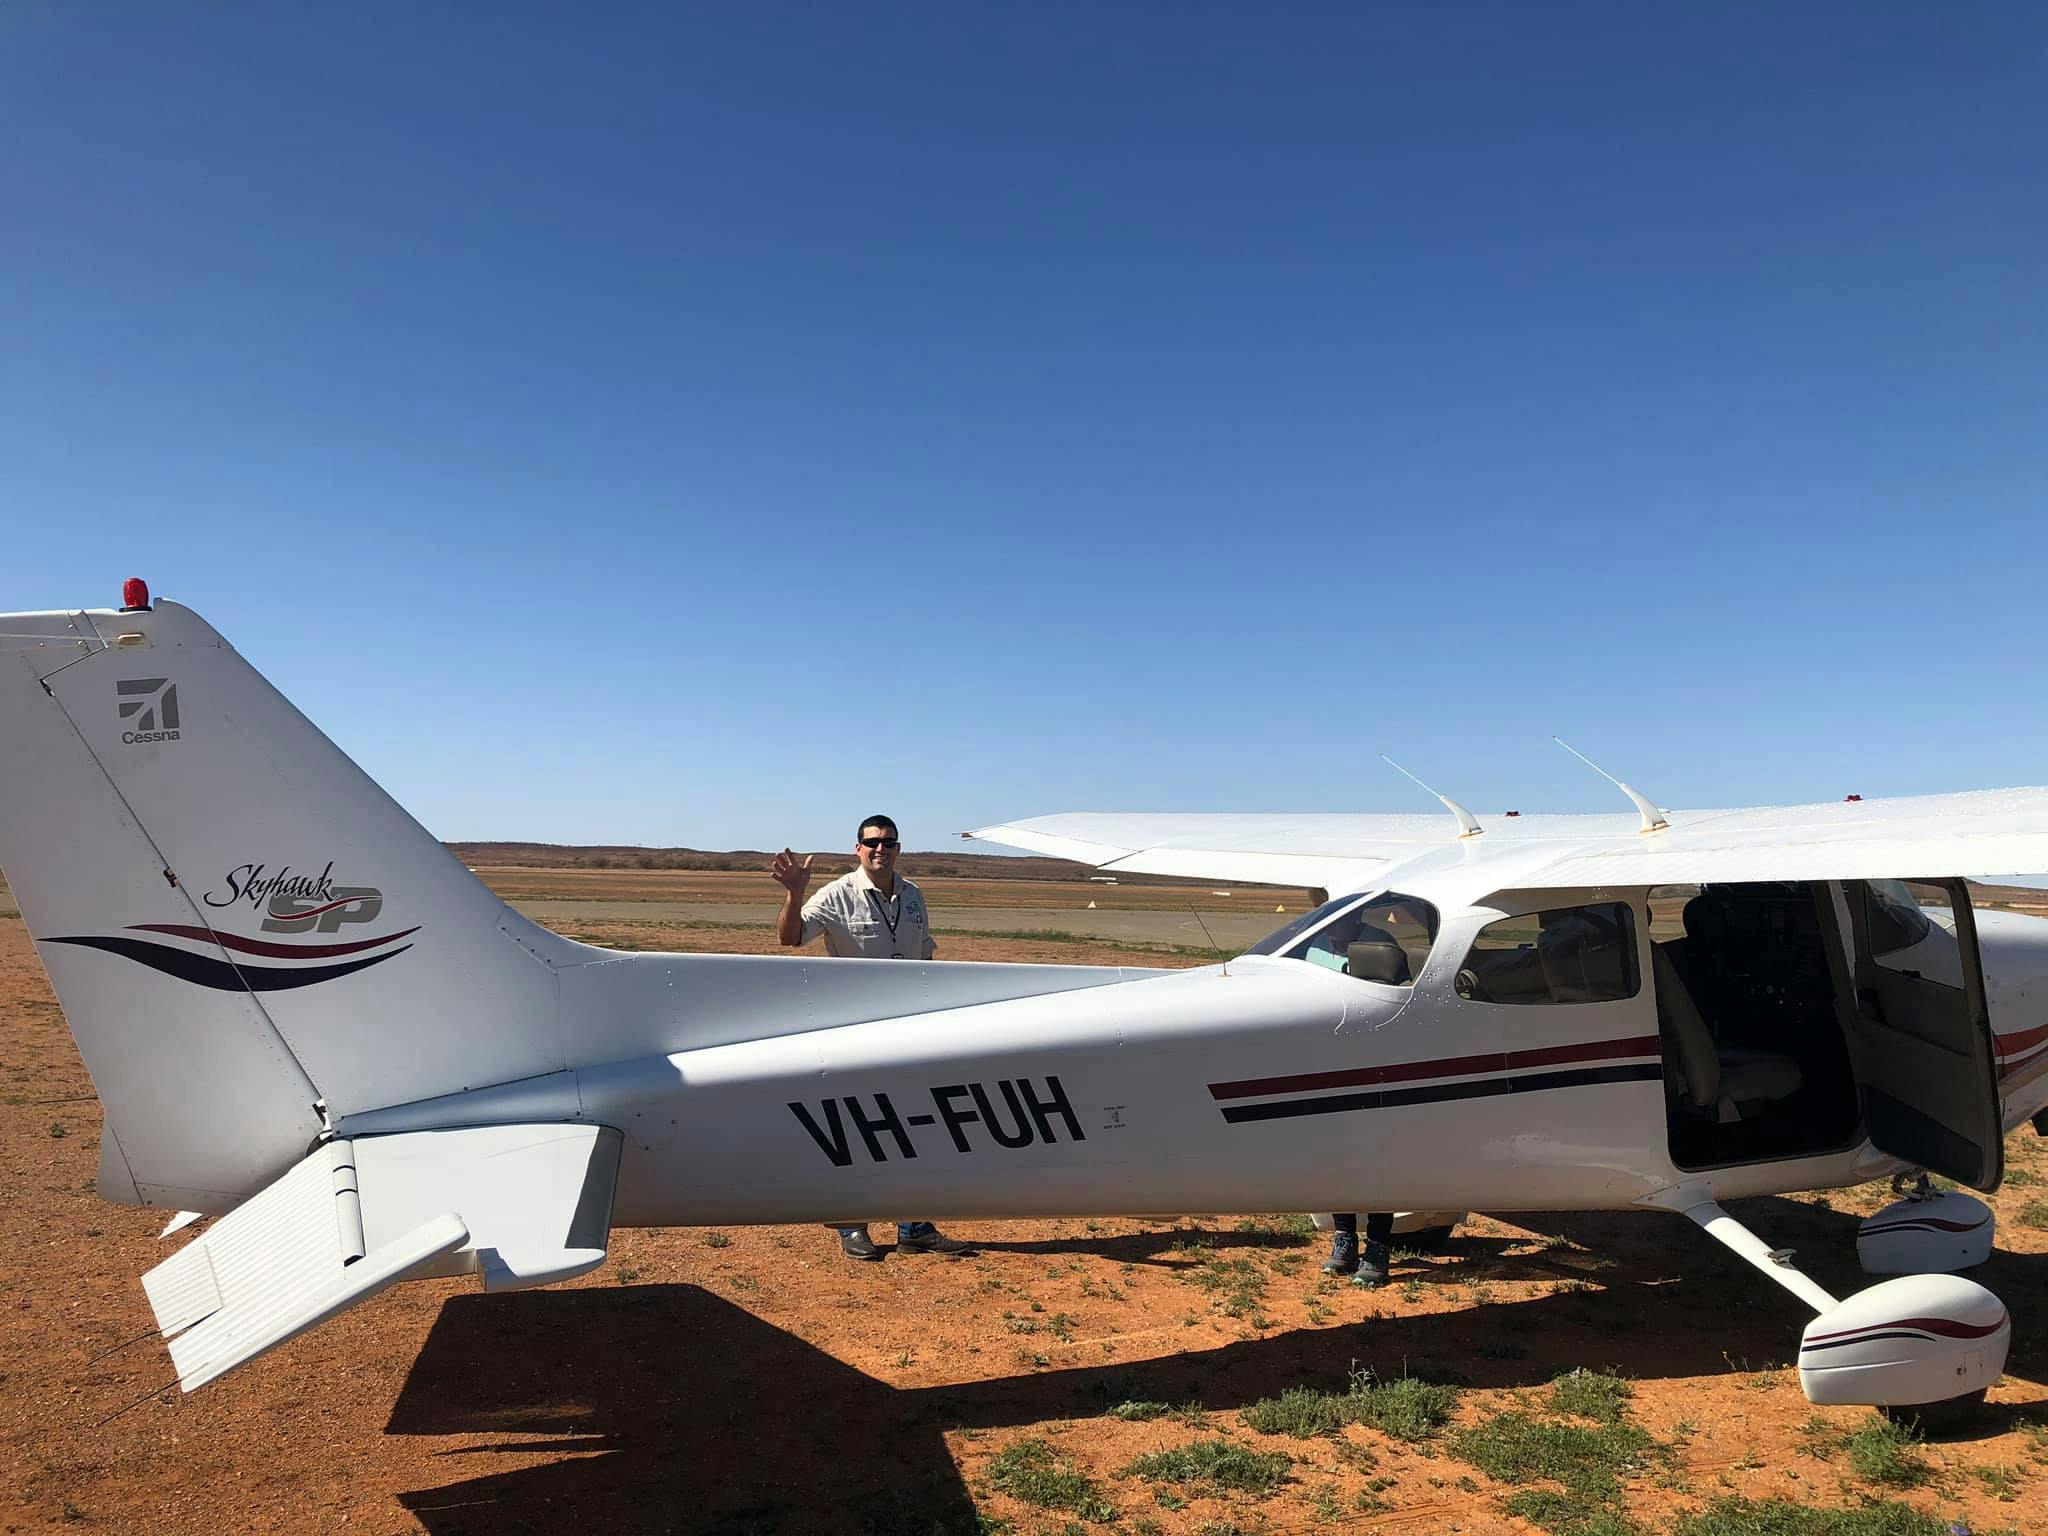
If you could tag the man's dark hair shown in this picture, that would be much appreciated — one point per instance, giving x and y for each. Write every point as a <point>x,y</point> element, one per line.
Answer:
<point>883,822</point>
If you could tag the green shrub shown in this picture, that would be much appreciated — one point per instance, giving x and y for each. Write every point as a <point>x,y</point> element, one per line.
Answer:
<point>1301,1412</point>
<point>1734,1516</point>
<point>1137,1412</point>
<point>1032,1471</point>
<point>1570,1514</point>
<point>1405,1408</point>
<point>1213,1464</point>
<point>1516,1447</point>
<point>1884,1451</point>
<point>1591,1395</point>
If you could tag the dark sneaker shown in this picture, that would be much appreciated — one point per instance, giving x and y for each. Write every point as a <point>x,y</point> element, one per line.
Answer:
<point>856,1244</point>
<point>929,1239</point>
<point>1372,1266</point>
<point>1343,1257</point>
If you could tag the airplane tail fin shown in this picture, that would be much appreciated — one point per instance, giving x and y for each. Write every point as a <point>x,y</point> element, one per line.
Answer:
<point>247,936</point>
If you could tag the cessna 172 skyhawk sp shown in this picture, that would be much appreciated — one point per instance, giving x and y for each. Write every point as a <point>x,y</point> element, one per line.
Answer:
<point>302,1014</point>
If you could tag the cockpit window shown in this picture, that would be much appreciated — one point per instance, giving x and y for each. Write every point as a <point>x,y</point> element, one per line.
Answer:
<point>1384,939</point>
<point>1566,955</point>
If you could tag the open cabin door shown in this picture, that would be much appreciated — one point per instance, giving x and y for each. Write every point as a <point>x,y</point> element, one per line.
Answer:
<point>1919,1027</point>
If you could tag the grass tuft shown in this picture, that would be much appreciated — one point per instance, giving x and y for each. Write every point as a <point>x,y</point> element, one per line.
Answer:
<point>1405,1408</point>
<point>1284,1224</point>
<point>1569,1514</point>
<point>1516,1447</point>
<point>1238,1284</point>
<point>1731,1515</point>
<point>1591,1395</point>
<point>1137,1411</point>
<point>1033,1471</point>
<point>1887,1452</point>
<point>2001,1482</point>
<point>1212,1464</point>
<point>1301,1412</point>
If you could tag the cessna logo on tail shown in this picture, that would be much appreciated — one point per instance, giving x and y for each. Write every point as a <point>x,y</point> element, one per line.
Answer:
<point>291,903</point>
<point>151,705</point>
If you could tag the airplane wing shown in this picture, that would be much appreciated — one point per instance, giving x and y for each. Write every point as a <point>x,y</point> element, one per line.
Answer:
<point>1977,832</point>
<point>522,1204</point>
<point>1335,852</point>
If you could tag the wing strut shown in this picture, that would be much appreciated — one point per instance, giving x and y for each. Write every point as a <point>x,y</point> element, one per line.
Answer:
<point>1775,1262</point>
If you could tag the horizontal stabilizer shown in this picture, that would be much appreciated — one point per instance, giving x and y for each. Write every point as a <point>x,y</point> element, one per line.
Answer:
<point>537,1199</point>
<point>522,1205</point>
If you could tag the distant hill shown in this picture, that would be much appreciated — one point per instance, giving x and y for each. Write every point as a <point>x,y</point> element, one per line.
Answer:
<point>927,864</point>
<point>922,865</point>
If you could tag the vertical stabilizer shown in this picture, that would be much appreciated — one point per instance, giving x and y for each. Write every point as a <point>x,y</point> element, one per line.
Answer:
<point>238,922</point>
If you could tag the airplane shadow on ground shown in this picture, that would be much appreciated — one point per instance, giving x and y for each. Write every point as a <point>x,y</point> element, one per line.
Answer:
<point>699,1417</point>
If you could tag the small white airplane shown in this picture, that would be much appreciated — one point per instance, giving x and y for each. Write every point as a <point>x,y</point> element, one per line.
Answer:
<point>304,1016</point>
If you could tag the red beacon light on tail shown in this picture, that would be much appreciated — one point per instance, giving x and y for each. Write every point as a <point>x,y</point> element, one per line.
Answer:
<point>134,594</point>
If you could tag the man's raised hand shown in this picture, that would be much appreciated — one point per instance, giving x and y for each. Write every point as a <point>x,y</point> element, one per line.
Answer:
<point>791,874</point>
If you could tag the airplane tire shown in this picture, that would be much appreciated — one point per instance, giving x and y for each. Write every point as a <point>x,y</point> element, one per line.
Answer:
<point>1950,1413</point>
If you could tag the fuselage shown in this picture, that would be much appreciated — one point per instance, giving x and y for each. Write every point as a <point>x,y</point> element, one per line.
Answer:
<point>1269,1082</point>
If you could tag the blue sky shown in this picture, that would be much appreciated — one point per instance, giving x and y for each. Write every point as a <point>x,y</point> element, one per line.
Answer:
<point>707,425</point>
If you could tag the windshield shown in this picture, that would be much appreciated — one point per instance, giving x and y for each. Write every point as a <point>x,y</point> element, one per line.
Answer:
<point>1315,917</point>
<point>1383,938</point>
<point>1896,921</point>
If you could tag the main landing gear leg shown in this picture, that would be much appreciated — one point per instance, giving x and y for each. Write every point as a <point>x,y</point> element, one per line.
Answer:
<point>1917,1340</point>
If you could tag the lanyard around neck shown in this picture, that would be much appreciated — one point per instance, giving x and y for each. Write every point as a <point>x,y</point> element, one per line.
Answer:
<point>882,909</point>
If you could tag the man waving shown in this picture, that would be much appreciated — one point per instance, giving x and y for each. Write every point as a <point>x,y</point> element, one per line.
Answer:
<point>871,914</point>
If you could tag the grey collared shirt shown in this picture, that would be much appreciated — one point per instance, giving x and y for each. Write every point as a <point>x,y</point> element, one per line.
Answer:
<point>860,923</point>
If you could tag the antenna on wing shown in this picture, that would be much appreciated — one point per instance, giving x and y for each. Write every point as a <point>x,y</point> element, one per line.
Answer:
<point>1468,825</point>
<point>1210,937</point>
<point>1653,819</point>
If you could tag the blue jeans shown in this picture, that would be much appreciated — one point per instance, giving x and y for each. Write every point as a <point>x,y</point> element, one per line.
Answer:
<point>903,1229</point>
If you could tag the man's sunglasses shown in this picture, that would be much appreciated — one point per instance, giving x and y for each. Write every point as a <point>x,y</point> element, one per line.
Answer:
<point>881,842</point>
